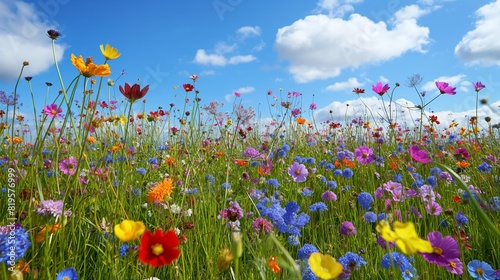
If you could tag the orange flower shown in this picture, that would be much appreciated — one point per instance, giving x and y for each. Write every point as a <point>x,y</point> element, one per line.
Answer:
<point>16,140</point>
<point>240,162</point>
<point>219,154</point>
<point>114,149</point>
<point>456,198</point>
<point>463,164</point>
<point>88,68</point>
<point>51,229</point>
<point>161,191</point>
<point>91,139</point>
<point>273,264</point>
<point>170,160</point>
<point>300,120</point>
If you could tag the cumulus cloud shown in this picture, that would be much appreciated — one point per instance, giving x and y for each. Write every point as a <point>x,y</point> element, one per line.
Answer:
<point>482,45</point>
<point>337,8</point>
<point>202,57</point>
<point>349,84</point>
<point>241,59</point>
<point>321,46</point>
<point>24,38</point>
<point>247,31</point>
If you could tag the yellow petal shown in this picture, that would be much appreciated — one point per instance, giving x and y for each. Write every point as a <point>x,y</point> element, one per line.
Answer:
<point>129,230</point>
<point>324,266</point>
<point>405,230</point>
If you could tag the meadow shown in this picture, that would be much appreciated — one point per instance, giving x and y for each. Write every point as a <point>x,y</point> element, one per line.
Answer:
<point>103,189</point>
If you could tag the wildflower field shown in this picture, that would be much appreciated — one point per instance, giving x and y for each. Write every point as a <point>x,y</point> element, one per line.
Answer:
<point>103,189</point>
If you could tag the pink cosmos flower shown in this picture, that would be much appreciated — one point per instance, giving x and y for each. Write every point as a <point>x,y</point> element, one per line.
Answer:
<point>380,89</point>
<point>68,165</point>
<point>433,208</point>
<point>237,94</point>
<point>298,172</point>
<point>478,86</point>
<point>419,155</point>
<point>445,88</point>
<point>364,155</point>
<point>52,110</point>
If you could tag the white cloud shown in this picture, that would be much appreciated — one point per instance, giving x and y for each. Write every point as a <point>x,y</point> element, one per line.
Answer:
<point>24,38</point>
<point>337,7</point>
<point>247,31</point>
<point>320,47</point>
<point>482,45</point>
<point>209,59</point>
<point>244,90</point>
<point>241,59</point>
<point>349,84</point>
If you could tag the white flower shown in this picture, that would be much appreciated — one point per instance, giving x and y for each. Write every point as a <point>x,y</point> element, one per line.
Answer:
<point>175,209</point>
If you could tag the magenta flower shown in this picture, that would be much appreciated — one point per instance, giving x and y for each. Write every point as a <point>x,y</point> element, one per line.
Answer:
<point>433,208</point>
<point>261,225</point>
<point>364,155</point>
<point>419,155</point>
<point>462,153</point>
<point>52,110</point>
<point>298,172</point>
<point>347,228</point>
<point>380,89</point>
<point>478,86</point>
<point>68,165</point>
<point>445,88</point>
<point>446,252</point>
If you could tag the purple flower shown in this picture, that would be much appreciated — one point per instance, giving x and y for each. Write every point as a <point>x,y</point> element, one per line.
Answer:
<point>347,228</point>
<point>233,212</point>
<point>52,110</point>
<point>380,89</point>
<point>298,172</point>
<point>433,208</point>
<point>261,225</point>
<point>419,155</point>
<point>364,155</point>
<point>478,86</point>
<point>251,152</point>
<point>445,88</point>
<point>445,250</point>
<point>329,196</point>
<point>51,208</point>
<point>68,165</point>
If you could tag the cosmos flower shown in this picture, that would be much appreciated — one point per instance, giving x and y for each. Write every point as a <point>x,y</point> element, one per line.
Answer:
<point>68,165</point>
<point>481,270</point>
<point>88,68</point>
<point>298,172</point>
<point>445,249</point>
<point>134,92</point>
<point>52,110</point>
<point>419,155</point>
<point>445,88</point>
<point>364,155</point>
<point>159,248</point>
<point>478,86</point>
<point>188,87</point>
<point>109,52</point>
<point>380,89</point>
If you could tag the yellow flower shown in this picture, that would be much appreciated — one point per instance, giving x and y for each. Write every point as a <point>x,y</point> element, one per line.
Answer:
<point>324,266</point>
<point>109,52</point>
<point>129,230</point>
<point>88,68</point>
<point>405,236</point>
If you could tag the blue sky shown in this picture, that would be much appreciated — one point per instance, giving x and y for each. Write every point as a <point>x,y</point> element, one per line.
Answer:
<point>321,49</point>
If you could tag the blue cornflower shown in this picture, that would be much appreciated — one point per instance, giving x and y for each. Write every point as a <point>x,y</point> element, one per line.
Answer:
<point>226,186</point>
<point>398,178</point>
<point>400,261</point>
<point>481,270</point>
<point>281,153</point>
<point>190,191</point>
<point>136,192</point>
<point>307,273</point>
<point>435,171</point>
<point>153,160</point>
<point>318,207</point>
<point>431,180</point>
<point>141,170</point>
<point>365,200</point>
<point>67,274</point>
<point>337,172</point>
<point>307,192</point>
<point>273,183</point>
<point>495,203</point>
<point>484,167</point>
<point>310,160</point>
<point>305,252</point>
<point>382,216</point>
<point>331,184</point>
<point>293,240</point>
<point>347,173</point>
<point>329,166</point>
<point>124,250</point>
<point>370,217</point>
<point>210,178</point>
<point>351,261</point>
<point>461,219</point>
<point>9,235</point>
<point>285,147</point>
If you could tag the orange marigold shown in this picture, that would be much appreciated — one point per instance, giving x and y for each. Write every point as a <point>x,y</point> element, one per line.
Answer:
<point>300,120</point>
<point>91,139</point>
<point>161,191</point>
<point>463,164</point>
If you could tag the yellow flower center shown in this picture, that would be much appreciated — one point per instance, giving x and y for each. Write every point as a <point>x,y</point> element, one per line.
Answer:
<point>365,155</point>
<point>453,264</point>
<point>479,271</point>
<point>157,249</point>
<point>437,251</point>
<point>53,112</point>
<point>297,172</point>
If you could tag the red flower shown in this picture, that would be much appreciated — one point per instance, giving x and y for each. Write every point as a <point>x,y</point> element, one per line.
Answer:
<point>358,90</point>
<point>133,93</point>
<point>434,119</point>
<point>188,87</point>
<point>160,248</point>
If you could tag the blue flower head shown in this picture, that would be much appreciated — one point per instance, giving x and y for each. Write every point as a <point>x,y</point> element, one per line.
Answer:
<point>306,251</point>
<point>67,274</point>
<point>365,200</point>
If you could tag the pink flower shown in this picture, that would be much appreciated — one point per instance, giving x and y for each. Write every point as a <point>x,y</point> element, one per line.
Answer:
<point>478,86</point>
<point>52,110</point>
<point>419,155</point>
<point>433,208</point>
<point>364,155</point>
<point>298,172</point>
<point>380,89</point>
<point>237,94</point>
<point>445,252</point>
<point>445,88</point>
<point>68,165</point>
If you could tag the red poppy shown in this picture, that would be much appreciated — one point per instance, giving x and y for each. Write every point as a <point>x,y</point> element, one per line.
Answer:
<point>159,248</point>
<point>133,93</point>
<point>358,90</point>
<point>456,199</point>
<point>188,87</point>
